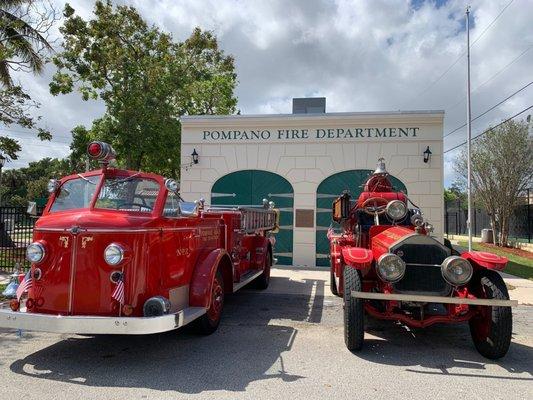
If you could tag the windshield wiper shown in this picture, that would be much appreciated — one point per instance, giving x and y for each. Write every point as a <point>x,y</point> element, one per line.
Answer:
<point>87,180</point>
<point>117,182</point>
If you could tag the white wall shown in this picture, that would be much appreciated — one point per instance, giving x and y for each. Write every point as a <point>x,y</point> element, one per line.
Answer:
<point>305,162</point>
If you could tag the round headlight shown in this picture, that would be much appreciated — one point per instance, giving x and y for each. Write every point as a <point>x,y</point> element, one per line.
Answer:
<point>396,209</point>
<point>35,252</point>
<point>417,220</point>
<point>390,267</point>
<point>113,254</point>
<point>456,270</point>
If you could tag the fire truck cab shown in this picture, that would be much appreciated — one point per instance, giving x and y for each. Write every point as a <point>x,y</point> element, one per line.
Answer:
<point>120,252</point>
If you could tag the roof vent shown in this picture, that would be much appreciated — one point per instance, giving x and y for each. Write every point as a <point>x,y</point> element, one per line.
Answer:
<point>309,105</point>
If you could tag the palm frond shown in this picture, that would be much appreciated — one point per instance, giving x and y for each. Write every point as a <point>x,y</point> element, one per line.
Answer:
<point>5,76</point>
<point>22,28</point>
<point>11,3</point>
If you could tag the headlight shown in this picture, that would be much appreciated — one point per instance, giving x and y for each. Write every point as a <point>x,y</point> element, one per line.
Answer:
<point>417,220</point>
<point>456,270</point>
<point>113,254</point>
<point>396,209</point>
<point>390,267</point>
<point>35,252</point>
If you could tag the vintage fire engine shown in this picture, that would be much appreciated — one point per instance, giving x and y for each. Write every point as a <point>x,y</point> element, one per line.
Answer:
<point>385,264</point>
<point>119,252</point>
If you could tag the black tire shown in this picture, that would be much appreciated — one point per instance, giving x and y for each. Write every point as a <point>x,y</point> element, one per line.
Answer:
<point>492,328</point>
<point>263,280</point>
<point>208,323</point>
<point>332,282</point>
<point>354,327</point>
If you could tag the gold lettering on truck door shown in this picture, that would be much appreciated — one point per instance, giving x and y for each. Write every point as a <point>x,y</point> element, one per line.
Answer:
<point>85,240</point>
<point>63,241</point>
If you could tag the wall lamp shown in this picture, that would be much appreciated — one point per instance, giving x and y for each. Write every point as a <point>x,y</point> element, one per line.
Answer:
<point>194,160</point>
<point>427,155</point>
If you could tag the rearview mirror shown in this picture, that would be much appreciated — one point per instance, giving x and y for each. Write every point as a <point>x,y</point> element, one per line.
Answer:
<point>341,207</point>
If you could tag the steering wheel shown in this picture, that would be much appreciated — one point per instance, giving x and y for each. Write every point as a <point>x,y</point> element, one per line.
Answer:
<point>127,205</point>
<point>375,205</point>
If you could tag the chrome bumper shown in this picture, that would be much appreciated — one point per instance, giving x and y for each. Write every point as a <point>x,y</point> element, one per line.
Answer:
<point>95,325</point>
<point>433,299</point>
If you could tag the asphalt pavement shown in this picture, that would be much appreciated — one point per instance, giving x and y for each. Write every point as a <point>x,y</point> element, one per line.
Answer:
<point>284,343</point>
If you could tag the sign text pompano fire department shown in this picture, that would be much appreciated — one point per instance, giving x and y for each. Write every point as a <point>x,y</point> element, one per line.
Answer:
<point>319,133</point>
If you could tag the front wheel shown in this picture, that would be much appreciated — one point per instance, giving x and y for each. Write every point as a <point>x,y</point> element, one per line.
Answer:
<point>354,329</point>
<point>208,323</point>
<point>492,327</point>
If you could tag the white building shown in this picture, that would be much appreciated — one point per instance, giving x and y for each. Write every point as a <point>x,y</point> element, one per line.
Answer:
<point>303,161</point>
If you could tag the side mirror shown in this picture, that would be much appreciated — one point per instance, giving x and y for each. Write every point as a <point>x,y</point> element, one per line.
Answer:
<point>32,208</point>
<point>341,207</point>
<point>189,209</point>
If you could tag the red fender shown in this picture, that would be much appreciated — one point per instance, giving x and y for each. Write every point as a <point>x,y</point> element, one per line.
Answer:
<point>485,260</point>
<point>357,257</point>
<point>204,275</point>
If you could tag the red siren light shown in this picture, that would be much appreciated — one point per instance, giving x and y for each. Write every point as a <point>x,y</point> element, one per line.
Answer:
<point>101,151</point>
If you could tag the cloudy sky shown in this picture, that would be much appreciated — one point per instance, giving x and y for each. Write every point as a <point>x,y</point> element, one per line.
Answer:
<point>363,55</point>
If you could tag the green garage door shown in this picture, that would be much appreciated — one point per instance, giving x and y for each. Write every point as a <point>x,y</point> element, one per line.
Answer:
<point>250,187</point>
<point>327,191</point>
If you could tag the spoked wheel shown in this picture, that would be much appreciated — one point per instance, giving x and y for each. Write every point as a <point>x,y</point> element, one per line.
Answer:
<point>492,327</point>
<point>263,280</point>
<point>354,328</point>
<point>208,323</point>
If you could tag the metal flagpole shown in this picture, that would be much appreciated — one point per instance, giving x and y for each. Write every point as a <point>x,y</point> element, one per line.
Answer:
<point>469,132</point>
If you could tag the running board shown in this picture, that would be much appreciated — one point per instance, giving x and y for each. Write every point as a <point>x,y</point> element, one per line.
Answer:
<point>246,279</point>
<point>433,299</point>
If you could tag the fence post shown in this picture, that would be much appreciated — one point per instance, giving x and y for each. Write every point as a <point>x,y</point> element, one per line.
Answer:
<point>446,217</point>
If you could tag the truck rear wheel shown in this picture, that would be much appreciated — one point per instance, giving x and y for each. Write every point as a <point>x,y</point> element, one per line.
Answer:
<point>208,323</point>
<point>492,327</point>
<point>354,329</point>
<point>263,280</point>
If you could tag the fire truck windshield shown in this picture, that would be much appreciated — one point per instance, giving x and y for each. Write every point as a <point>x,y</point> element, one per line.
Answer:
<point>128,194</point>
<point>75,193</point>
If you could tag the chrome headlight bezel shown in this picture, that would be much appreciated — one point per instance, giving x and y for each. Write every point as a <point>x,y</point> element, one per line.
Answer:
<point>456,270</point>
<point>390,267</point>
<point>396,210</point>
<point>114,254</point>
<point>35,252</point>
<point>52,186</point>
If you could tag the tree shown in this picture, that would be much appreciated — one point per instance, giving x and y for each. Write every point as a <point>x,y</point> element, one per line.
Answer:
<point>502,167</point>
<point>24,27</point>
<point>146,80</point>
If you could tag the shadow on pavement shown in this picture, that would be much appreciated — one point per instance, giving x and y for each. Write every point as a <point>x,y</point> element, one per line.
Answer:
<point>245,349</point>
<point>439,347</point>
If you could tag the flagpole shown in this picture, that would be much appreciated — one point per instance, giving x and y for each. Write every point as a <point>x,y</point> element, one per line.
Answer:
<point>469,131</point>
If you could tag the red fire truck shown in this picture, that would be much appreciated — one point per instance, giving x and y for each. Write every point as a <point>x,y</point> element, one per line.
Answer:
<point>385,264</point>
<point>120,252</point>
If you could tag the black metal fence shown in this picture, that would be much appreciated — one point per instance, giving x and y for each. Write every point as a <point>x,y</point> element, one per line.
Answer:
<point>16,230</point>
<point>455,216</point>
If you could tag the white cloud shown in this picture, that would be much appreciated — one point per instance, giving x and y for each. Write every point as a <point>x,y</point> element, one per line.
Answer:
<point>362,55</point>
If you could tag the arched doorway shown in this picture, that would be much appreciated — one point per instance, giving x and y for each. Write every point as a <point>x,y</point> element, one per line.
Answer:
<point>327,191</point>
<point>249,188</point>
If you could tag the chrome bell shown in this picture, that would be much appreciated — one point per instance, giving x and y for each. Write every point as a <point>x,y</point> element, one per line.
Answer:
<point>380,169</point>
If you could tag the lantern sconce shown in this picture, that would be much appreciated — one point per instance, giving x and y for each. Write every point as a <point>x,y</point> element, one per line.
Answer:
<point>427,155</point>
<point>194,160</point>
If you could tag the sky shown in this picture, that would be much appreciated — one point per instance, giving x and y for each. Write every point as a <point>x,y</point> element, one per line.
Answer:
<point>362,55</point>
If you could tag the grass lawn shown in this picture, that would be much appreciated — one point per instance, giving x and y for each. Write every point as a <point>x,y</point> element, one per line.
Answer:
<point>518,265</point>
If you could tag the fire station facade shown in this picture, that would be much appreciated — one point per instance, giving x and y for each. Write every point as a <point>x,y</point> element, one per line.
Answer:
<point>303,161</point>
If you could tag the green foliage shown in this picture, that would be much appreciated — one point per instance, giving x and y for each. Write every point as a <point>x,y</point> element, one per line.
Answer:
<point>14,110</point>
<point>21,185</point>
<point>146,80</point>
<point>502,168</point>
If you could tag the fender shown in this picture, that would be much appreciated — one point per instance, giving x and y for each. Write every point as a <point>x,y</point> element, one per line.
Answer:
<point>259,246</point>
<point>482,259</point>
<point>357,257</point>
<point>204,275</point>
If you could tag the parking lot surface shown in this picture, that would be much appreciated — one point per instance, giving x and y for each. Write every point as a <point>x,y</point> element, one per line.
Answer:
<point>285,343</point>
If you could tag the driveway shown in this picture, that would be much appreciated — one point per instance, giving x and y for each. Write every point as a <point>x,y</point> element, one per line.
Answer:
<point>283,343</point>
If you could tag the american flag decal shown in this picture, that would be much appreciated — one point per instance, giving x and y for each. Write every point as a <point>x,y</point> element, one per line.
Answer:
<point>118,293</point>
<point>25,285</point>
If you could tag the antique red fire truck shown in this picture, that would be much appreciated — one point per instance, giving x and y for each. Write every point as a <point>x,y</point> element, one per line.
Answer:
<point>120,252</point>
<point>385,264</point>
